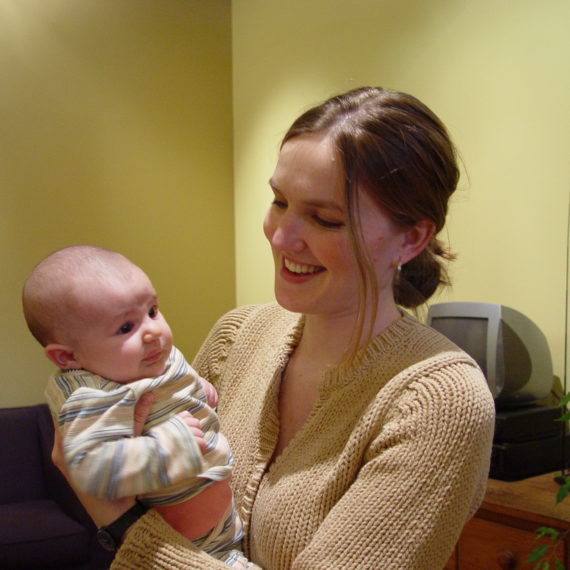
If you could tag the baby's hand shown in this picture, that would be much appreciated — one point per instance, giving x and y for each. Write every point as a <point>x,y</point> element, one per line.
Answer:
<point>194,426</point>
<point>210,392</point>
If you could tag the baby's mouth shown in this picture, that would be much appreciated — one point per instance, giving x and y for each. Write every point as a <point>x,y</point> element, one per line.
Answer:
<point>154,357</point>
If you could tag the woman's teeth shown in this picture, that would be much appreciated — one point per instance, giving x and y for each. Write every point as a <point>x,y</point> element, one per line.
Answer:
<point>297,268</point>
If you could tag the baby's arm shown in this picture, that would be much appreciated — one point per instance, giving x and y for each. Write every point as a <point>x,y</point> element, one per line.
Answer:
<point>105,459</point>
<point>206,508</point>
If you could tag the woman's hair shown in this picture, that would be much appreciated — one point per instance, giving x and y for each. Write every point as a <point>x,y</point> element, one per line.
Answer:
<point>398,151</point>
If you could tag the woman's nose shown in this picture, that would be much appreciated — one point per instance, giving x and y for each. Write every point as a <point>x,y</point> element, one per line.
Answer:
<point>288,235</point>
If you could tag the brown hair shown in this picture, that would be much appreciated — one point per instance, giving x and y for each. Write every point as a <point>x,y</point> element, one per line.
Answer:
<point>398,151</point>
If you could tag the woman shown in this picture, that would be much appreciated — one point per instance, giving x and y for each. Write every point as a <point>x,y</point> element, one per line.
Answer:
<point>361,437</point>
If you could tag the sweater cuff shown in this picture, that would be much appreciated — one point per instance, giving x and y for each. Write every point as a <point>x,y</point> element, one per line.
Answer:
<point>153,543</point>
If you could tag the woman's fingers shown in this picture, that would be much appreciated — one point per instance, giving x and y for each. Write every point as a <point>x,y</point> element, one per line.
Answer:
<point>142,409</point>
<point>57,456</point>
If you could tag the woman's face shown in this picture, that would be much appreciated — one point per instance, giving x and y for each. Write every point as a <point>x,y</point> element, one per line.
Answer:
<point>306,225</point>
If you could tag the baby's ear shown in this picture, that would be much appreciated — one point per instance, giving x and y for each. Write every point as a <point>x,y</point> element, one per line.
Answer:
<point>61,355</point>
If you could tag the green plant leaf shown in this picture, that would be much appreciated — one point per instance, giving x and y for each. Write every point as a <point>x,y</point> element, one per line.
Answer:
<point>537,553</point>
<point>559,565</point>
<point>547,531</point>
<point>562,492</point>
<point>563,418</point>
<point>565,399</point>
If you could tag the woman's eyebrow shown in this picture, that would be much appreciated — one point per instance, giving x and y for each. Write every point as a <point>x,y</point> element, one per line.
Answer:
<point>325,204</point>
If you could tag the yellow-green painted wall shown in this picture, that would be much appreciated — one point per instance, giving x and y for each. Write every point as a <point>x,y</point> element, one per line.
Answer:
<point>116,129</point>
<point>498,74</point>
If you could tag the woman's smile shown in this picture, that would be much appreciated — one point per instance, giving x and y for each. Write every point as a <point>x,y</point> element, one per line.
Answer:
<point>301,268</point>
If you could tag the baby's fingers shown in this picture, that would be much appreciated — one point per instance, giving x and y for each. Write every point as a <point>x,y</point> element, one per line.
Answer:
<point>189,419</point>
<point>195,428</point>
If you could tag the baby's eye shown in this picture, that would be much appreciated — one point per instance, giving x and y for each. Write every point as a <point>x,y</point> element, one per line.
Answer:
<point>153,312</point>
<point>126,328</point>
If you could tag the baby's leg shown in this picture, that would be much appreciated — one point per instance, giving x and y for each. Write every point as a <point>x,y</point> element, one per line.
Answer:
<point>199,515</point>
<point>225,540</point>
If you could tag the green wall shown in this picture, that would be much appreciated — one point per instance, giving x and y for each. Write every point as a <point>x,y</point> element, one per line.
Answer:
<point>116,129</point>
<point>496,71</point>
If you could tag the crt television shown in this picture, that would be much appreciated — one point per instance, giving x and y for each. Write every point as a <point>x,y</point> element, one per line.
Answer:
<point>510,349</point>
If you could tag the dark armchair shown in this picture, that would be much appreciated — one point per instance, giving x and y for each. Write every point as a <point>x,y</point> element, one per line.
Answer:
<point>42,524</point>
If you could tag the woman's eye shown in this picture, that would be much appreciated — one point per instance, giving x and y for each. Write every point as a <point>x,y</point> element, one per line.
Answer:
<point>153,312</point>
<point>328,223</point>
<point>126,328</point>
<point>279,204</point>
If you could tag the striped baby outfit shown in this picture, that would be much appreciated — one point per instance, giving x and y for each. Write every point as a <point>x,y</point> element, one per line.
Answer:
<point>163,466</point>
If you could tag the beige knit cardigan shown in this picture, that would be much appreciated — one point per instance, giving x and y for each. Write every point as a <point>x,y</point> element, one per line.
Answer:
<point>391,463</point>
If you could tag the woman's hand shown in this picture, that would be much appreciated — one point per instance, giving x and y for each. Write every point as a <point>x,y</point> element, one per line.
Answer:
<point>103,512</point>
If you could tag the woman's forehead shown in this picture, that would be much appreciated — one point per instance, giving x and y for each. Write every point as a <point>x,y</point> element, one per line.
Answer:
<point>309,165</point>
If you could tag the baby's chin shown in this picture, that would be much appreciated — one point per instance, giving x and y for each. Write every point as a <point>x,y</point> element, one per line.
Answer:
<point>157,369</point>
<point>150,372</point>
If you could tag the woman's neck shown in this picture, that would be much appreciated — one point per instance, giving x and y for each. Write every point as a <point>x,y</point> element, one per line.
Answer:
<point>329,337</point>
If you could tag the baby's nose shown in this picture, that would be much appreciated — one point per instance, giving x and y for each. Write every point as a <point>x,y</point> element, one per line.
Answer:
<point>151,331</point>
<point>149,336</point>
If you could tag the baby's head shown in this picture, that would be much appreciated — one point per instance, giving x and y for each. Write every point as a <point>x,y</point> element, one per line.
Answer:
<point>93,309</point>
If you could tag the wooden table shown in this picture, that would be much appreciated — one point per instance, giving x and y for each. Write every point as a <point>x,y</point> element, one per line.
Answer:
<point>502,533</point>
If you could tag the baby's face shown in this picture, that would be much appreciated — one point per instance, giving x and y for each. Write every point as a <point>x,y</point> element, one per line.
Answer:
<point>121,334</point>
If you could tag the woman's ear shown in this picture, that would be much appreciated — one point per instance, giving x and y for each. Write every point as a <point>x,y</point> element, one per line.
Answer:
<point>416,240</point>
<point>62,356</point>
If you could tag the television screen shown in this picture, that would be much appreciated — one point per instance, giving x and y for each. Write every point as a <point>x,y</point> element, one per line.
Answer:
<point>468,333</point>
<point>510,349</point>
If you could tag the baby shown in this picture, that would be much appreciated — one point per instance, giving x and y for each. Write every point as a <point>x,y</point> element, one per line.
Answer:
<point>96,315</point>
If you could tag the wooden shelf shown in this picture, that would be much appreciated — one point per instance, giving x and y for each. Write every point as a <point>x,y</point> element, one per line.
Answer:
<point>502,533</point>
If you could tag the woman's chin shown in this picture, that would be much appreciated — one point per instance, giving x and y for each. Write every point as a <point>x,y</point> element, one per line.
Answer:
<point>289,302</point>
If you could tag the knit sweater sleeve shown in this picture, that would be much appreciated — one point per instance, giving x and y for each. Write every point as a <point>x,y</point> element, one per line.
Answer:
<point>153,543</point>
<point>423,476</point>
